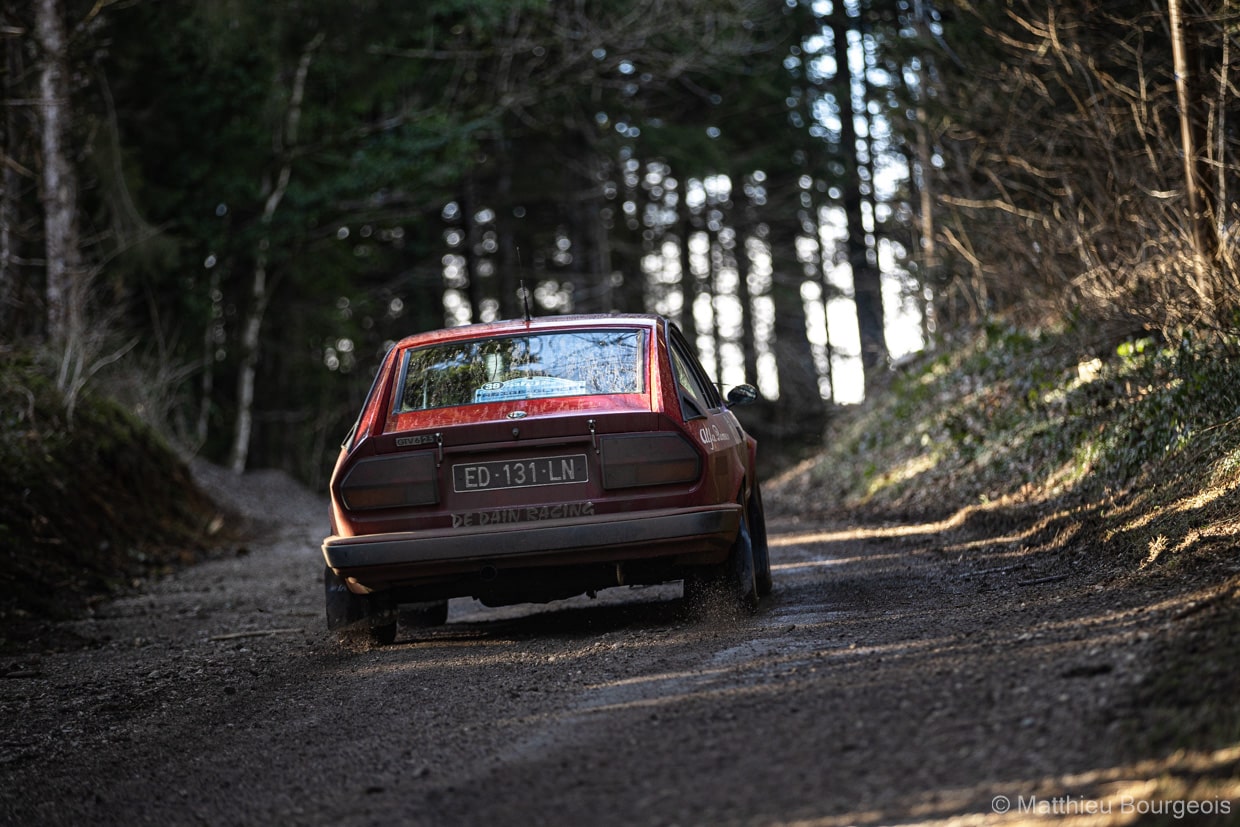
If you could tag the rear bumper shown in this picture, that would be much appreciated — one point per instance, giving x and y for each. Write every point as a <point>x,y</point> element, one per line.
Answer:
<point>691,536</point>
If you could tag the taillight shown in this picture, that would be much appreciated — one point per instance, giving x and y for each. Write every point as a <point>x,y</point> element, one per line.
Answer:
<point>391,482</point>
<point>631,460</point>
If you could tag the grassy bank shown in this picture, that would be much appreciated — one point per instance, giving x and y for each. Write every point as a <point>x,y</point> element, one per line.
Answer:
<point>1135,445</point>
<point>1123,459</point>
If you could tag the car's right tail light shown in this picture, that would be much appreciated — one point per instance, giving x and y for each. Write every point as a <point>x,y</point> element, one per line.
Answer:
<point>632,460</point>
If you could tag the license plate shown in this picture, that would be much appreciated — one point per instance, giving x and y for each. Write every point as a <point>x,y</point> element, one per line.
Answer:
<point>525,473</point>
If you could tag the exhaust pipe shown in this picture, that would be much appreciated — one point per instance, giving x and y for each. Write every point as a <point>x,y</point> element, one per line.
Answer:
<point>488,574</point>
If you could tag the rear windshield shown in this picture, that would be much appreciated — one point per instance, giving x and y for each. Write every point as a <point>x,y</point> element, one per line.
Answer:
<point>532,366</point>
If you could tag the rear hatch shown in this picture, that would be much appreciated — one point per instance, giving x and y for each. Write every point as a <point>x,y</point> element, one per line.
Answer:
<point>534,467</point>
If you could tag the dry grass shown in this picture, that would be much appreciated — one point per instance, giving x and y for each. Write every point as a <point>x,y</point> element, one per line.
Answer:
<point>1136,446</point>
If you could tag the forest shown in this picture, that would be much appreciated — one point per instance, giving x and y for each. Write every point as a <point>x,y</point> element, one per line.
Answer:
<point>222,213</point>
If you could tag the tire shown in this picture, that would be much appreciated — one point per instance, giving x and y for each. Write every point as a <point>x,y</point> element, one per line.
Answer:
<point>732,584</point>
<point>761,550</point>
<point>741,577</point>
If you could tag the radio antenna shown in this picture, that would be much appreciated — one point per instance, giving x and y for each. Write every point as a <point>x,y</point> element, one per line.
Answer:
<point>525,294</point>
<point>525,300</point>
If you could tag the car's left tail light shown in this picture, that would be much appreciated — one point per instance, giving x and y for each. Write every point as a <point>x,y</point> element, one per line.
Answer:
<point>391,482</point>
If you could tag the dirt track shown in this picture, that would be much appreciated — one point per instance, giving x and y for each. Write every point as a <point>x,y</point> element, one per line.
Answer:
<point>902,674</point>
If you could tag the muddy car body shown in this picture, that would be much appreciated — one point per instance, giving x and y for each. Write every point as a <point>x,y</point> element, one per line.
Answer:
<point>532,460</point>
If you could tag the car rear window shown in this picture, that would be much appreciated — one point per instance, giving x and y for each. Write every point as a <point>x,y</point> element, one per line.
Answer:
<point>529,366</point>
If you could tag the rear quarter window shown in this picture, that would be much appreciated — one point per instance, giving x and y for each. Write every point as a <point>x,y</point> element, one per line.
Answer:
<point>697,394</point>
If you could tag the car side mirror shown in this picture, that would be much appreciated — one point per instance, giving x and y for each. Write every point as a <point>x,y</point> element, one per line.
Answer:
<point>742,395</point>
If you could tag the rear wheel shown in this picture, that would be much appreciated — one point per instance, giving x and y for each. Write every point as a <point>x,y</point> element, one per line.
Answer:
<point>741,578</point>
<point>761,551</point>
<point>732,584</point>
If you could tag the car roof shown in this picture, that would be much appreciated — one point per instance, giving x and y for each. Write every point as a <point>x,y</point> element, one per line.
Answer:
<point>537,324</point>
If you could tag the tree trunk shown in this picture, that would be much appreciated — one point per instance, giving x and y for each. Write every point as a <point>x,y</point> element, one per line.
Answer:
<point>251,331</point>
<point>822,265</point>
<point>689,288</point>
<point>473,238</point>
<point>629,246</point>
<point>250,336</point>
<point>1192,138</point>
<point>509,275</point>
<point>575,211</point>
<point>599,245</point>
<point>8,187</point>
<point>59,183</point>
<point>749,338</point>
<point>800,402</point>
<point>715,263</point>
<point>817,160</point>
<point>801,409</point>
<point>922,230</point>
<point>207,381</point>
<point>922,181</point>
<point>867,280</point>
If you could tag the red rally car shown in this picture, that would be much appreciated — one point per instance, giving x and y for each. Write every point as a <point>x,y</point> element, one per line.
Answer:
<point>533,460</point>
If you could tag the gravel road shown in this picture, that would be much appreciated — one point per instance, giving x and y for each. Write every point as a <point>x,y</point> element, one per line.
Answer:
<point>901,674</point>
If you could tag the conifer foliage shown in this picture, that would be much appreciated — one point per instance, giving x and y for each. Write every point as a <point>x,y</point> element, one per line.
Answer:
<point>229,210</point>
